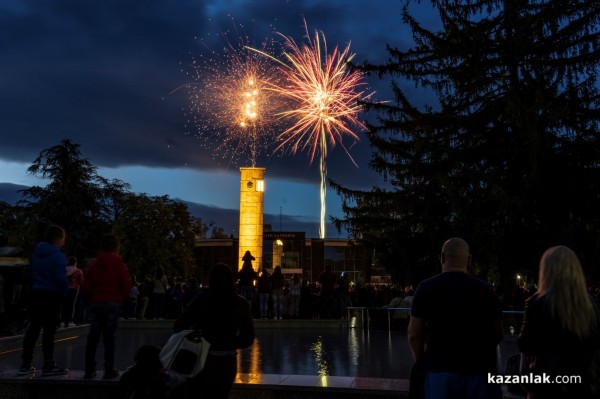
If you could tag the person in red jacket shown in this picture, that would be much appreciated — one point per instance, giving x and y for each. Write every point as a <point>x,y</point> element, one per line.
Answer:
<point>106,285</point>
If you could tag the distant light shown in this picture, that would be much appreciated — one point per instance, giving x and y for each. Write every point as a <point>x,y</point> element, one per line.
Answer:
<point>260,185</point>
<point>279,242</point>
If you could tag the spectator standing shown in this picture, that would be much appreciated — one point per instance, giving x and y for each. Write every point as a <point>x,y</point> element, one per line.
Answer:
<point>455,327</point>
<point>130,305</point>
<point>277,281</point>
<point>246,277</point>
<point>190,292</point>
<point>264,290</point>
<point>48,283</point>
<point>294,296</point>
<point>343,290</point>
<point>314,301</point>
<point>227,324</point>
<point>398,317</point>
<point>560,328</point>
<point>327,281</point>
<point>305,300</point>
<point>145,290</point>
<point>160,285</point>
<point>106,285</point>
<point>174,295</point>
<point>75,277</point>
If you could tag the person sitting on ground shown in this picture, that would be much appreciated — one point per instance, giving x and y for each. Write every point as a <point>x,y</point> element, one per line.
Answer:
<point>148,379</point>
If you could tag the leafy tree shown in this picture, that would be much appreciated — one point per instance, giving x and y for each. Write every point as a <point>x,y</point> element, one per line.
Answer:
<point>114,196</point>
<point>71,199</point>
<point>156,231</point>
<point>507,154</point>
<point>8,224</point>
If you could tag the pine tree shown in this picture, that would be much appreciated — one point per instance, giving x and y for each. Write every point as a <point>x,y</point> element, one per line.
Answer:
<point>507,156</point>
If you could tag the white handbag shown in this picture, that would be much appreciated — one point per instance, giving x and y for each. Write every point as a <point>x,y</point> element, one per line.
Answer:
<point>185,353</point>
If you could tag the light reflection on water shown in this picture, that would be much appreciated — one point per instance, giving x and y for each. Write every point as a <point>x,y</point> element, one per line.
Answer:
<point>353,352</point>
<point>335,352</point>
<point>320,356</point>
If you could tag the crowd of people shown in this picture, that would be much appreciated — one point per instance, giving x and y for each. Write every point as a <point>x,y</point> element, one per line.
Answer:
<point>106,286</point>
<point>454,324</point>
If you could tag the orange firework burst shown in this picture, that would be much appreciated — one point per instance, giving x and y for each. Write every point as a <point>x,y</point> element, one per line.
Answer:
<point>325,92</point>
<point>229,104</point>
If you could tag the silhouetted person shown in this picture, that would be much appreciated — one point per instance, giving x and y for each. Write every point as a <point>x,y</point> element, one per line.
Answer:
<point>75,277</point>
<point>264,290</point>
<point>455,327</point>
<point>148,379</point>
<point>247,276</point>
<point>561,328</point>
<point>277,282</point>
<point>160,286</point>
<point>327,281</point>
<point>106,285</point>
<point>226,321</point>
<point>48,286</point>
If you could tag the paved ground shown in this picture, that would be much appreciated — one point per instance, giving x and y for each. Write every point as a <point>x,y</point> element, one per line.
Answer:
<point>282,348</point>
<point>289,357</point>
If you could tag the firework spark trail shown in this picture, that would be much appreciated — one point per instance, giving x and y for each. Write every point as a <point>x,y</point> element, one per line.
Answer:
<point>229,106</point>
<point>325,92</point>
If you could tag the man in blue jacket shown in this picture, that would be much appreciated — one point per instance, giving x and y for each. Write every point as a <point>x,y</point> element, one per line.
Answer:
<point>48,284</point>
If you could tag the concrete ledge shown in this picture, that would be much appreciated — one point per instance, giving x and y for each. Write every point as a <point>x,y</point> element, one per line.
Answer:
<point>247,386</point>
<point>69,386</point>
<point>258,324</point>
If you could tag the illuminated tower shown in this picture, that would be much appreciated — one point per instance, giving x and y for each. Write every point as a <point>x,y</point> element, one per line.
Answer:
<point>252,187</point>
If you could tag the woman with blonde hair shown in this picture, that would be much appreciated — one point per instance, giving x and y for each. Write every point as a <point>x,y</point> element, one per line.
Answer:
<point>560,328</point>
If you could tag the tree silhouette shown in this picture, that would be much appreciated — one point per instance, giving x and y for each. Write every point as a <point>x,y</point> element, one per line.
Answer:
<point>71,199</point>
<point>507,153</point>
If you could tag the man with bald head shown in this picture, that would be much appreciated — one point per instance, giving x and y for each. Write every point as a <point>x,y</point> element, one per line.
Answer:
<point>454,329</point>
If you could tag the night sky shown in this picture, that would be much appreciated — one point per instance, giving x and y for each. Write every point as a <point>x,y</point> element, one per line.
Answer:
<point>103,73</point>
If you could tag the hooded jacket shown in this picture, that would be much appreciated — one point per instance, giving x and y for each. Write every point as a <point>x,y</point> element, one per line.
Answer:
<point>107,279</point>
<point>48,269</point>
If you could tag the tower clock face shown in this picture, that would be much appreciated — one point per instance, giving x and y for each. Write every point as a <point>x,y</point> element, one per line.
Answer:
<point>249,184</point>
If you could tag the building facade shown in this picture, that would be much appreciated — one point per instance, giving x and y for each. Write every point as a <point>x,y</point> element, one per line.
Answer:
<point>296,254</point>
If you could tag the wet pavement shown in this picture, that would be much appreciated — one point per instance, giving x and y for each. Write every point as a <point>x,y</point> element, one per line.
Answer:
<point>313,349</point>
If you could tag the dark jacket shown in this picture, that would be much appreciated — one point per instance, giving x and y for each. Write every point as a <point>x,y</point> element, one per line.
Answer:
<point>48,269</point>
<point>225,321</point>
<point>556,351</point>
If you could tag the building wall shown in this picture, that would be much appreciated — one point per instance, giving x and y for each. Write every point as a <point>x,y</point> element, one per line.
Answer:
<point>314,254</point>
<point>209,252</point>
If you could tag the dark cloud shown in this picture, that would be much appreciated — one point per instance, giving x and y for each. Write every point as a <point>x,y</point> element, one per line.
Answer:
<point>102,74</point>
